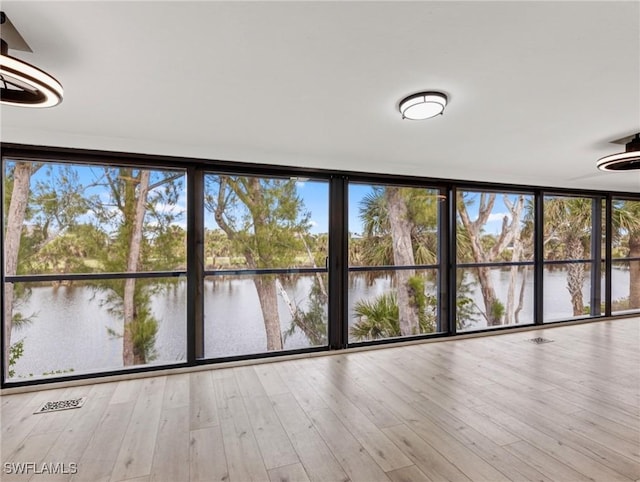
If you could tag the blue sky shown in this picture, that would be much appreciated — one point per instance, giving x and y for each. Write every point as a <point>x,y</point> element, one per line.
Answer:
<point>316,198</point>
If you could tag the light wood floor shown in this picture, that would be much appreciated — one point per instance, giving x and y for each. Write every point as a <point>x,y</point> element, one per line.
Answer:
<point>486,409</point>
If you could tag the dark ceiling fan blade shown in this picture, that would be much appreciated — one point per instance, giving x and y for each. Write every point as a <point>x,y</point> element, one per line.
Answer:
<point>590,176</point>
<point>624,140</point>
<point>10,34</point>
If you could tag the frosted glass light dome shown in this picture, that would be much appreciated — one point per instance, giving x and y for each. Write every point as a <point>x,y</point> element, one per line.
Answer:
<point>424,105</point>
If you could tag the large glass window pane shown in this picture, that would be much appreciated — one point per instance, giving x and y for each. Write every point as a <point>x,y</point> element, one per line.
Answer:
<point>494,227</point>
<point>603,229</point>
<point>235,318</point>
<point>625,277</point>
<point>568,234</point>
<point>63,219</point>
<point>374,311</point>
<point>381,216</point>
<point>494,236</point>
<point>69,328</point>
<point>625,286</point>
<point>266,241</point>
<point>626,228</point>
<point>392,226</point>
<point>74,218</point>
<point>513,284</point>
<point>567,291</point>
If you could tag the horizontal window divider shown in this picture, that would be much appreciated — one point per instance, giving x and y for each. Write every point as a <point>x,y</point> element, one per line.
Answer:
<point>236,272</point>
<point>585,318</point>
<point>397,339</point>
<point>571,261</point>
<point>490,329</point>
<point>617,260</point>
<point>392,268</point>
<point>34,278</point>
<point>98,374</point>
<point>501,264</point>
<point>510,190</point>
<point>260,355</point>
<point>164,366</point>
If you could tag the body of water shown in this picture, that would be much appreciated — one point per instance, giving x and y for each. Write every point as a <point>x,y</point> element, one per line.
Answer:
<point>72,329</point>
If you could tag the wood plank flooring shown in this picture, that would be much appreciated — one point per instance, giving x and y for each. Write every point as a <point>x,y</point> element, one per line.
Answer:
<point>495,408</point>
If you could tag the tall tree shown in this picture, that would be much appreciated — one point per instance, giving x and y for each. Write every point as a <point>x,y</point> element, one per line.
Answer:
<point>135,208</point>
<point>14,223</point>
<point>263,219</point>
<point>141,218</point>
<point>513,308</point>
<point>401,228</point>
<point>494,310</point>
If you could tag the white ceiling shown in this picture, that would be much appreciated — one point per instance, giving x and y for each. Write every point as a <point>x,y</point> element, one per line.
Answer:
<point>538,90</point>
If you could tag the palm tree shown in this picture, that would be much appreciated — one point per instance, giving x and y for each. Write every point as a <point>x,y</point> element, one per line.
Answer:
<point>567,234</point>
<point>400,229</point>
<point>380,317</point>
<point>422,213</point>
<point>626,221</point>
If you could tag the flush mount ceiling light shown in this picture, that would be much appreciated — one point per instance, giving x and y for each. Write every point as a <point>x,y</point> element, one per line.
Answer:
<point>423,105</point>
<point>624,161</point>
<point>22,84</point>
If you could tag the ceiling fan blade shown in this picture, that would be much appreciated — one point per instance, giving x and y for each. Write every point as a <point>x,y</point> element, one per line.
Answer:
<point>590,176</point>
<point>10,34</point>
<point>624,140</point>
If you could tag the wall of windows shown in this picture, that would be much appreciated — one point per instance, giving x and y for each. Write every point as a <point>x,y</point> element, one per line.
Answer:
<point>129,263</point>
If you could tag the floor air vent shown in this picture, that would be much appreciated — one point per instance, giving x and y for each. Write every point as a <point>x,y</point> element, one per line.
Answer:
<point>539,340</point>
<point>61,405</point>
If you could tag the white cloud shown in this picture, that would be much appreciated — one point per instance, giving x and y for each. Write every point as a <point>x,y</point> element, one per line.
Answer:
<point>497,217</point>
<point>166,208</point>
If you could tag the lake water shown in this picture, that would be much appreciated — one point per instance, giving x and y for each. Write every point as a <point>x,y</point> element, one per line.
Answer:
<point>70,327</point>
